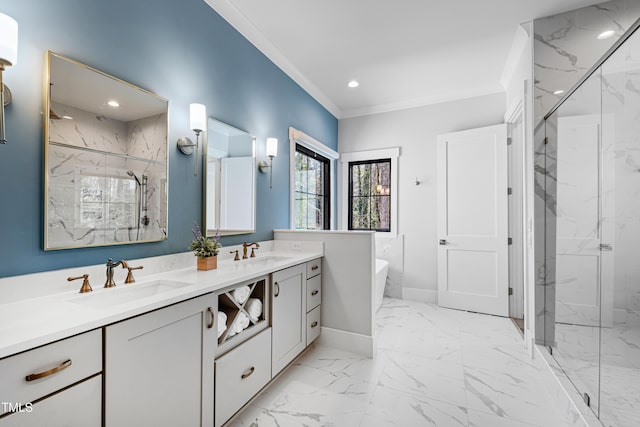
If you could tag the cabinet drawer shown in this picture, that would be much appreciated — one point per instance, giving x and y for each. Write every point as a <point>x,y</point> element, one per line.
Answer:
<point>240,374</point>
<point>59,365</point>
<point>314,267</point>
<point>314,292</point>
<point>313,325</point>
<point>80,405</point>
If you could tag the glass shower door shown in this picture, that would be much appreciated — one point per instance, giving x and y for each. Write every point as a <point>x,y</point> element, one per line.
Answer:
<point>620,333</point>
<point>580,178</point>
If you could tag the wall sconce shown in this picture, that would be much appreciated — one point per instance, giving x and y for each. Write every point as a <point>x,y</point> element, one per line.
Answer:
<point>197,123</point>
<point>8,57</point>
<point>272,151</point>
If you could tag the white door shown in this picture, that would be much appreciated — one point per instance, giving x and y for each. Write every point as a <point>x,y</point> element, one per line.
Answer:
<point>473,220</point>
<point>584,227</point>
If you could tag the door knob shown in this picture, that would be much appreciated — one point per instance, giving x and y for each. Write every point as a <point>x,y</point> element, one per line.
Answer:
<point>443,242</point>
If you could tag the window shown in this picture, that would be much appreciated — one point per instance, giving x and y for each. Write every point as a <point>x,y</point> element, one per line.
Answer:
<point>312,210</point>
<point>370,195</point>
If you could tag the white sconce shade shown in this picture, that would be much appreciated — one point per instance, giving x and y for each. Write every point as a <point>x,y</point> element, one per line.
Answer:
<point>272,147</point>
<point>8,40</point>
<point>197,117</point>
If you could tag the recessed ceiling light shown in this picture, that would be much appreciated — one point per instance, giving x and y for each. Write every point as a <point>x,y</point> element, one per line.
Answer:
<point>113,104</point>
<point>606,34</point>
<point>67,117</point>
<point>353,83</point>
<point>558,92</point>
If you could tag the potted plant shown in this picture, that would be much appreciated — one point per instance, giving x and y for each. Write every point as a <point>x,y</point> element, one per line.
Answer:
<point>205,249</point>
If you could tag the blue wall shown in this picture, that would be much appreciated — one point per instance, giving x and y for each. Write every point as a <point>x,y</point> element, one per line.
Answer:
<point>183,51</point>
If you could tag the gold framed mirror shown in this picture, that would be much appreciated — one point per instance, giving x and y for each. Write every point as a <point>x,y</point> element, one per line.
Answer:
<point>106,160</point>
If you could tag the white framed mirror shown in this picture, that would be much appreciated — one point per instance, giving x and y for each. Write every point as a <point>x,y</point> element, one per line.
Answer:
<point>229,198</point>
<point>105,158</point>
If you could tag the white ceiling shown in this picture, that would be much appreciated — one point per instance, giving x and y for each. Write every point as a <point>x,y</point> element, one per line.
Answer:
<point>404,53</point>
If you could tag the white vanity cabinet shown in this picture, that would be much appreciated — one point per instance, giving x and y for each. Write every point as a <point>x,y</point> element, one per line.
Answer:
<point>159,367</point>
<point>288,316</point>
<point>58,384</point>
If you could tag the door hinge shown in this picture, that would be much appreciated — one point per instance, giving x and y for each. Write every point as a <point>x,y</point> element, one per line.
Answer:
<point>546,140</point>
<point>509,141</point>
<point>509,191</point>
<point>510,291</point>
<point>587,399</point>
<point>509,241</point>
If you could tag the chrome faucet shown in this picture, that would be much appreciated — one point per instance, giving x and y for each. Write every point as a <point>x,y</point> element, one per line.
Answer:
<point>110,266</point>
<point>246,245</point>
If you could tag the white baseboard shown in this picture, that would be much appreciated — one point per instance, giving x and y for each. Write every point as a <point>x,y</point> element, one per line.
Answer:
<point>347,341</point>
<point>422,295</point>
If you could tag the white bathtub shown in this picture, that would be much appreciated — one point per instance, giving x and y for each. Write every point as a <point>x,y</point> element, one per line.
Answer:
<point>382,268</point>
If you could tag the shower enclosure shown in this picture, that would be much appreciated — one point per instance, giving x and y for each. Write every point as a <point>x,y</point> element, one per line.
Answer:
<point>593,234</point>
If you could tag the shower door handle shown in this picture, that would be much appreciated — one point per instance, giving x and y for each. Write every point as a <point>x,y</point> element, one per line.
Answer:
<point>606,247</point>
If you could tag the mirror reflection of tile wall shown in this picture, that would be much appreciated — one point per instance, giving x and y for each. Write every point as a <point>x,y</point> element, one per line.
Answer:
<point>106,173</point>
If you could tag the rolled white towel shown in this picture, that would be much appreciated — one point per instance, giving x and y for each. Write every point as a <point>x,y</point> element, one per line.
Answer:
<point>241,294</point>
<point>254,308</point>
<point>241,323</point>
<point>222,322</point>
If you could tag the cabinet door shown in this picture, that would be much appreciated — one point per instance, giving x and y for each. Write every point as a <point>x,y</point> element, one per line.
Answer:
<point>159,367</point>
<point>288,315</point>
<point>77,406</point>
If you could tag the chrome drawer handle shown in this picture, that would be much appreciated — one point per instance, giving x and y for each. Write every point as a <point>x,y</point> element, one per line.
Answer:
<point>314,268</point>
<point>314,293</point>
<point>63,365</point>
<point>213,318</point>
<point>314,324</point>
<point>248,373</point>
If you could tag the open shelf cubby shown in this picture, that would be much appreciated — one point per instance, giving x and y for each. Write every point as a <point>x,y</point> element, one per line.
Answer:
<point>227,303</point>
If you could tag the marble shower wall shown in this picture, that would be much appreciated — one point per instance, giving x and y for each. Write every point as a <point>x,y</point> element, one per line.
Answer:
<point>565,47</point>
<point>92,200</point>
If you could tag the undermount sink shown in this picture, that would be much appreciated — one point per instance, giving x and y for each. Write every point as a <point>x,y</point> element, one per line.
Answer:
<point>263,261</point>
<point>126,293</point>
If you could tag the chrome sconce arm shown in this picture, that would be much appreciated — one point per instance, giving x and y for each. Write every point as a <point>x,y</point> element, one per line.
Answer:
<point>272,151</point>
<point>198,122</point>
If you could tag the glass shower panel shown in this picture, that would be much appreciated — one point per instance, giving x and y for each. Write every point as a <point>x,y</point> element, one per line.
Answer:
<point>581,179</point>
<point>620,334</point>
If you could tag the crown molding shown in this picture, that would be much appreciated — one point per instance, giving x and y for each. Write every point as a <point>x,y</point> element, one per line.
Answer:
<point>243,25</point>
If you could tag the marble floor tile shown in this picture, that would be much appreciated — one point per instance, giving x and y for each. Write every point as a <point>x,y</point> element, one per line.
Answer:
<point>392,408</point>
<point>431,379</point>
<point>510,394</point>
<point>433,367</point>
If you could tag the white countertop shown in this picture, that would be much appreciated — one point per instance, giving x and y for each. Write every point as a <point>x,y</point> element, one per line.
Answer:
<point>32,322</point>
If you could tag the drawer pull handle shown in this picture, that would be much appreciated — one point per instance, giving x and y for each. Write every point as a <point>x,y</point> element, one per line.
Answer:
<point>63,365</point>
<point>314,293</point>
<point>213,318</point>
<point>314,324</point>
<point>314,268</point>
<point>248,373</point>
<point>277,290</point>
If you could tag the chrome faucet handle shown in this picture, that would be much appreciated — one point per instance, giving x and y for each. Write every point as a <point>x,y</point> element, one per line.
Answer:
<point>86,287</point>
<point>253,254</point>
<point>237,257</point>
<point>130,278</point>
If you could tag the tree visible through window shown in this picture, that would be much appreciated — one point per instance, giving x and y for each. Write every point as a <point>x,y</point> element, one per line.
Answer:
<point>370,195</point>
<point>312,183</point>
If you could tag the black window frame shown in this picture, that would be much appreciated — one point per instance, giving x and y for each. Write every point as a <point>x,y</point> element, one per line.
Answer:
<point>350,201</point>
<point>326,171</point>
